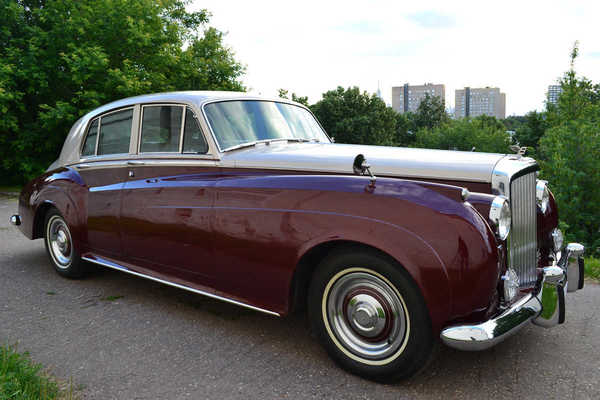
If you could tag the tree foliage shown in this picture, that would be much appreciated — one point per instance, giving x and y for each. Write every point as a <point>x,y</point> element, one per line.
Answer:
<point>430,114</point>
<point>354,117</point>
<point>531,130</point>
<point>284,94</point>
<point>569,152</point>
<point>60,59</point>
<point>483,133</point>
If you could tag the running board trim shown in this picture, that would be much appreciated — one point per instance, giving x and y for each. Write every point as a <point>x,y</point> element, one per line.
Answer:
<point>109,264</point>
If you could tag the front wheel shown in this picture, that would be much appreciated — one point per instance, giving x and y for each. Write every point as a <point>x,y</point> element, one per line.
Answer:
<point>60,247</point>
<point>370,316</point>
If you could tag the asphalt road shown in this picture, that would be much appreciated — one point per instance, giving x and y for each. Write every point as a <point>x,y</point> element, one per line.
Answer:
<point>122,337</point>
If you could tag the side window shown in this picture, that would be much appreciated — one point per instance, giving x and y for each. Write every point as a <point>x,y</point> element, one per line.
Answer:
<point>193,139</point>
<point>115,132</point>
<point>89,147</point>
<point>161,129</point>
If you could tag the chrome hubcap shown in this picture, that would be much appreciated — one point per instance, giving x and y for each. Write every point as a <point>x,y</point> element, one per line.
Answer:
<point>366,315</point>
<point>59,241</point>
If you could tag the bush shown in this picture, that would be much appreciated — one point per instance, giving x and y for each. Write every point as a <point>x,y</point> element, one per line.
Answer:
<point>61,59</point>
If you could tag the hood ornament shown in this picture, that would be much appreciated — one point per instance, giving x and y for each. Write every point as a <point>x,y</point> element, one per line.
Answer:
<point>361,167</point>
<point>519,150</point>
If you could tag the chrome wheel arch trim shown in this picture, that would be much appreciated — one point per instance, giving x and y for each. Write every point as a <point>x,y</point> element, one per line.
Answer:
<point>115,266</point>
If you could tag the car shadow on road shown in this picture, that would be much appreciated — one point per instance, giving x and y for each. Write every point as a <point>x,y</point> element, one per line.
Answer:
<point>250,344</point>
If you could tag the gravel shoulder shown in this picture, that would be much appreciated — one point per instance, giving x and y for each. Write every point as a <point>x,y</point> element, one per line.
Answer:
<point>122,337</point>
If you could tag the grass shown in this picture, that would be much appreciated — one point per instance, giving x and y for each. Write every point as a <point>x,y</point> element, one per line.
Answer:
<point>592,268</point>
<point>112,298</point>
<point>10,189</point>
<point>22,379</point>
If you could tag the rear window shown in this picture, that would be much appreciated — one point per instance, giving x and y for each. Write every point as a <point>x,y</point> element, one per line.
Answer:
<point>89,147</point>
<point>115,132</point>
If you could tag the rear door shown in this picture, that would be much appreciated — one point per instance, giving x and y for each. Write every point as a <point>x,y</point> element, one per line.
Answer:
<point>103,169</point>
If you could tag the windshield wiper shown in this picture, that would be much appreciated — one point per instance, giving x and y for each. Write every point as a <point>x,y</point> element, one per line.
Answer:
<point>303,140</point>
<point>267,141</point>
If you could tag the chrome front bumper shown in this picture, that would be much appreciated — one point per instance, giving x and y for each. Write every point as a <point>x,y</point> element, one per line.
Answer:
<point>545,308</point>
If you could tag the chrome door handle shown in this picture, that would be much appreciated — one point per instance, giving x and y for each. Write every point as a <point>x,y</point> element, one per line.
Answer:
<point>131,162</point>
<point>83,166</point>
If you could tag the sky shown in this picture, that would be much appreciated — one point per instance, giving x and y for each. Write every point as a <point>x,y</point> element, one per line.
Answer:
<point>309,47</point>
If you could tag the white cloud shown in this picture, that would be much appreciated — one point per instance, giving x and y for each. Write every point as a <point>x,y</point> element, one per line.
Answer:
<point>312,46</point>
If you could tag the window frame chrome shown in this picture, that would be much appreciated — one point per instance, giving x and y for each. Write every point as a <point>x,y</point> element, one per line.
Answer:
<point>135,139</point>
<point>141,126</point>
<point>99,118</point>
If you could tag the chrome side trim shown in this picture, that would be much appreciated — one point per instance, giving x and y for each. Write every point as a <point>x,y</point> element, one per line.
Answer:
<point>108,264</point>
<point>157,162</point>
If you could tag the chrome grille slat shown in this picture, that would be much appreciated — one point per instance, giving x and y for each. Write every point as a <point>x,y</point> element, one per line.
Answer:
<point>523,238</point>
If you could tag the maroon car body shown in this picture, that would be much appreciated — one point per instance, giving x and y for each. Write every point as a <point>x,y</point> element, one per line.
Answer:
<point>242,225</point>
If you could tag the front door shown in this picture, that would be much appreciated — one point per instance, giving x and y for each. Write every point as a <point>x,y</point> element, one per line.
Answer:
<point>166,207</point>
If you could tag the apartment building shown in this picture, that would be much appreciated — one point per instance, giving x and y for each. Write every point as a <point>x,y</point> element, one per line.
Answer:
<point>472,102</point>
<point>407,98</point>
<point>553,92</point>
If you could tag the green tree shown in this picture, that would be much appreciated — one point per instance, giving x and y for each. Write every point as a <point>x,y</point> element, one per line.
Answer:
<point>284,94</point>
<point>354,117</point>
<point>514,122</point>
<point>570,161</point>
<point>483,133</point>
<point>60,59</point>
<point>431,113</point>
<point>404,130</point>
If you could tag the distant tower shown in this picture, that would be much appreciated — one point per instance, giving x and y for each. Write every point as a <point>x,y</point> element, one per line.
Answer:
<point>379,91</point>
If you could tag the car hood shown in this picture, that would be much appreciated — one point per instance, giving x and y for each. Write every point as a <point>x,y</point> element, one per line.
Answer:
<point>384,161</point>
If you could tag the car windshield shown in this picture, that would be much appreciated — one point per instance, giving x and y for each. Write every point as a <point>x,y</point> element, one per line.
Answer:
<point>238,123</point>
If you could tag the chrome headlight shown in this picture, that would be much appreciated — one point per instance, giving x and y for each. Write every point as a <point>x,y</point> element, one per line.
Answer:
<point>557,239</point>
<point>511,284</point>
<point>500,216</point>
<point>542,195</point>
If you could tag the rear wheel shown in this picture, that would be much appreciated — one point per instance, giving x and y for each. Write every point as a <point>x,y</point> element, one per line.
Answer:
<point>60,247</point>
<point>370,316</point>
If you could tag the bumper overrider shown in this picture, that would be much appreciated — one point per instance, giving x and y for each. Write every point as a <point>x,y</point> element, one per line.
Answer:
<point>545,308</point>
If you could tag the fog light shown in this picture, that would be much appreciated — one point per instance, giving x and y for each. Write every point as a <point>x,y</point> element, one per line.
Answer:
<point>511,284</point>
<point>557,240</point>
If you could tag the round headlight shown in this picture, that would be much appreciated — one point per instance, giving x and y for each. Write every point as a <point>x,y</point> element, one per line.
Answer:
<point>542,195</point>
<point>500,216</point>
<point>511,284</point>
<point>557,240</point>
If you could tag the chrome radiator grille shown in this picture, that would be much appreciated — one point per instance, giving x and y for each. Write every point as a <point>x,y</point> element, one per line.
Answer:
<point>523,237</point>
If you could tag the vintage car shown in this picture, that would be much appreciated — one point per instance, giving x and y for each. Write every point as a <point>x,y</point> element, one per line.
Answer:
<point>248,200</point>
